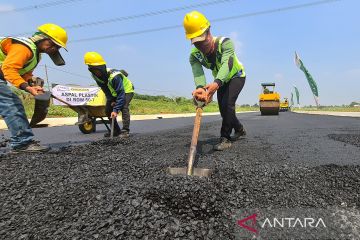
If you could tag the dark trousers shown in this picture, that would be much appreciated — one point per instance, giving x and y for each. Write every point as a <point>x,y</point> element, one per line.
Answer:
<point>227,95</point>
<point>125,112</point>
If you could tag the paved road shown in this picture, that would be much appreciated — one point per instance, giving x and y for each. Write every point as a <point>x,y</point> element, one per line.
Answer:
<point>304,137</point>
<point>304,164</point>
<point>70,135</point>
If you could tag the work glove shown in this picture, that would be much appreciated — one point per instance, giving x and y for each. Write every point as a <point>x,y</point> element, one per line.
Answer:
<point>200,94</point>
<point>36,81</point>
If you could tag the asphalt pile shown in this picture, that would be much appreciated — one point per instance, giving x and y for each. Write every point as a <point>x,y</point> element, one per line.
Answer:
<point>353,139</point>
<point>118,189</point>
<point>3,141</point>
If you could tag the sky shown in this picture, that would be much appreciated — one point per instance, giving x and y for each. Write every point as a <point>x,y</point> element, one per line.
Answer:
<point>326,37</point>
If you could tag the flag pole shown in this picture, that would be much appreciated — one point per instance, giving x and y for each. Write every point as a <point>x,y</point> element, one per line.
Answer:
<point>316,101</point>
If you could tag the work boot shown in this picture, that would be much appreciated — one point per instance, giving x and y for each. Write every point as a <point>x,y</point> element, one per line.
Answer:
<point>124,134</point>
<point>108,134</point>
<point>33,146</point>
<point>238,134</point>
<point>223,144</point>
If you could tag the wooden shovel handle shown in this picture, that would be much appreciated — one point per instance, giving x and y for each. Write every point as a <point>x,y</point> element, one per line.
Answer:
<point>194,140</point>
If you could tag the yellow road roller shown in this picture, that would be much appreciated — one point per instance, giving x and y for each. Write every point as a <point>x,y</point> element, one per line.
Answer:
<point>269,100</point>
<point>284,105</point>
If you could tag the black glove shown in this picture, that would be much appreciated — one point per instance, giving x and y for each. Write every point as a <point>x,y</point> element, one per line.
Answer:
<point>36,81</point>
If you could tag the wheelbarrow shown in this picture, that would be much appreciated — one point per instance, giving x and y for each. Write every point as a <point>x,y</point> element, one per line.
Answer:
<point>88,116</point>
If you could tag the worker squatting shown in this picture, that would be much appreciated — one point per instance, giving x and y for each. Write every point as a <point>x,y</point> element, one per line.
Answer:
<point>19,56</point>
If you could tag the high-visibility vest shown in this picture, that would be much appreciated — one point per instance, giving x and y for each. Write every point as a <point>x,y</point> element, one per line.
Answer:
<point>128,86</point>
<point>29,65</point>
<point>236,68</point>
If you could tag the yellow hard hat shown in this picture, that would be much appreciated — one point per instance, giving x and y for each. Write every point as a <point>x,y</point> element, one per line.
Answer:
<point>195,24</point>
<point>55,32</point>
<point>93,59</point>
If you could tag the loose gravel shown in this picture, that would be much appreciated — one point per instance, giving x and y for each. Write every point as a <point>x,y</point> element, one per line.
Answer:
<point>353,139</point>
<point>118,189</point>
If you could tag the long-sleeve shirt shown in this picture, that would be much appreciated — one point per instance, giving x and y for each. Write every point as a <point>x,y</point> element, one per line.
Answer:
<point>106,91</point>
<point>118,86</point>
<point>229,64</point>
<point>17,55</point>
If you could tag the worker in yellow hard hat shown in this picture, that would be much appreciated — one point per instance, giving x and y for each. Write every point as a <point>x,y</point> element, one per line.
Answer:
<point>117,87</point>
<point>19,56</point>
<point>217,54</point>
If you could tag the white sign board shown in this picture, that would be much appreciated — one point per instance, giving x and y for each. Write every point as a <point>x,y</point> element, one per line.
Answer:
<point>78,96</point>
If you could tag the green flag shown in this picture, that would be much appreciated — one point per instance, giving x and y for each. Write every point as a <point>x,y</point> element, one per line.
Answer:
<point>308,76</point>
<point>297,95</point>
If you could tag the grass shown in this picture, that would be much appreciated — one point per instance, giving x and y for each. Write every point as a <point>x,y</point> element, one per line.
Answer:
<point>146,104</point>
<point>137,107</point>
<point>143,107</point>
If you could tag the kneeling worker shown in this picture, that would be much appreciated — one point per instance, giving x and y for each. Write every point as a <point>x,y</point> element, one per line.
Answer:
<point>118,90</point>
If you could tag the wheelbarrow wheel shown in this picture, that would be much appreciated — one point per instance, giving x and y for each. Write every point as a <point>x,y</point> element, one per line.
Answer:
<point>88,127</point>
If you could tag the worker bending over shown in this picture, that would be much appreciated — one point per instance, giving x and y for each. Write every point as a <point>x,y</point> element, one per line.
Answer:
<point>118,90</point>
<point>19,56</point>
<point>217,54</point>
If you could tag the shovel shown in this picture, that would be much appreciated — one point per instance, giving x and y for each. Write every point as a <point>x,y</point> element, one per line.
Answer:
<point>190,170</point>
<point>112,127</point>
<point>40,113</point>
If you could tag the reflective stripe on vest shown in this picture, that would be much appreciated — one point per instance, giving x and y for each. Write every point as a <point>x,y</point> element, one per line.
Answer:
<point>29,65</point>
<point>236,68</point>
<point>128,86</point>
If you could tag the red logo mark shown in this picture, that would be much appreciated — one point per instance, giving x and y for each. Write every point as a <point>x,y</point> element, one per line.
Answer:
<point>251,228</point>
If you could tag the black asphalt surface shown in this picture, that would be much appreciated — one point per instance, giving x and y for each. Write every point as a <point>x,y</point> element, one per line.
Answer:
<point>70,135</point>
<point>291,165</point>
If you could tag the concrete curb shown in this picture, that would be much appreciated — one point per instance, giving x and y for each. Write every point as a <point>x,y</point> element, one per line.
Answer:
<point>329,113</point>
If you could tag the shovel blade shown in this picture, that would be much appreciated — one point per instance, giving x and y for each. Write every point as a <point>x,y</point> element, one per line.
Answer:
<point>44,96</point>
<point>202,172</point>
<point>198,172</point>
<point>40,111</point>
<point>177,171</point>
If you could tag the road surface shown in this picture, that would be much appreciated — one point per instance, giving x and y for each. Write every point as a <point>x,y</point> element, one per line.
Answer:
<point>291,165</point>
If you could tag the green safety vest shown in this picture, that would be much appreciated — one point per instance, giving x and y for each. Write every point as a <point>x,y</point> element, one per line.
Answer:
<point>237,66</point>
<point>128,86</point>
<point>29,65</point>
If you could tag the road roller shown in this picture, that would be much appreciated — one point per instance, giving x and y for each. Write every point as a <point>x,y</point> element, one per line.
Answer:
<point>284,105</point>
<point>269,100</point>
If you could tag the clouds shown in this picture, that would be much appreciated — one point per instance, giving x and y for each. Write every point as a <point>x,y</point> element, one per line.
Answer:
<point>278,76</point>
<point>237,43</point>
<point>6,8</point>
<point>19,20</point>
